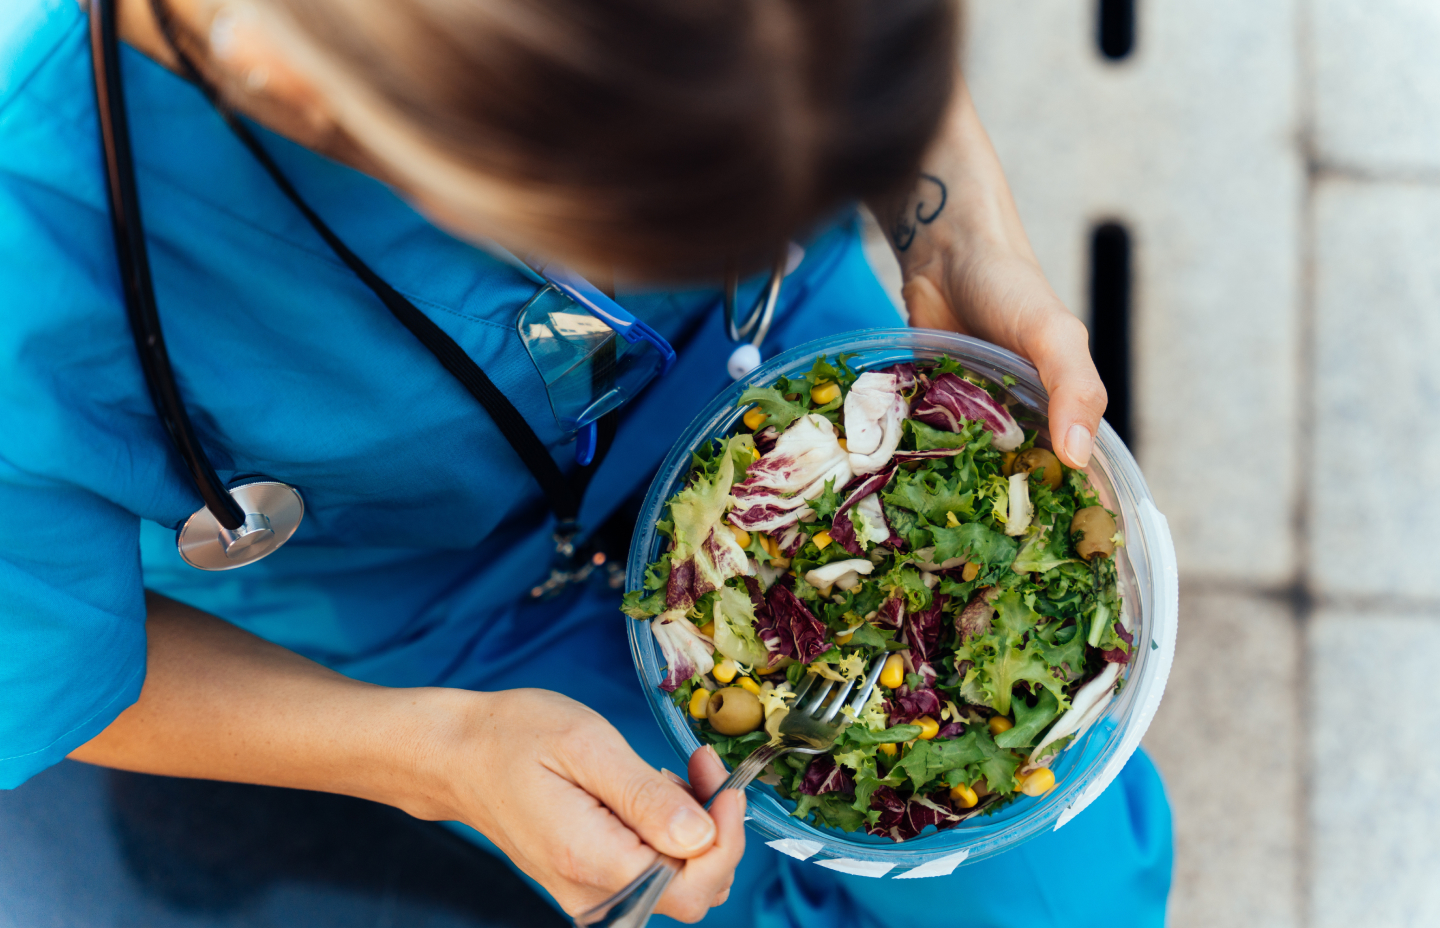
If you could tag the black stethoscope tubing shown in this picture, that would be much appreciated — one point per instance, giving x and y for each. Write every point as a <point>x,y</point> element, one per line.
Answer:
<point>563,493</point>
<point>134,261</point>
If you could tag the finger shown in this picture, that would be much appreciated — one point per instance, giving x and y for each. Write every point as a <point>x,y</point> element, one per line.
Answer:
<point>707,878</point>
<point>707,772</point>
<point>1059,346</point>
<point>664,814</point>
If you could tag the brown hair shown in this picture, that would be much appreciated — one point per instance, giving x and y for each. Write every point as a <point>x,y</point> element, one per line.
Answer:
<point>677,132</point>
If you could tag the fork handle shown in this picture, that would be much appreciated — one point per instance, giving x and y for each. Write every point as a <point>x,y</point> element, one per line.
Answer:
<point>632,906</point>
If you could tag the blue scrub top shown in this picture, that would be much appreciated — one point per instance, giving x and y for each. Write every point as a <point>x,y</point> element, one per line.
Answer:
<point>422,528</point>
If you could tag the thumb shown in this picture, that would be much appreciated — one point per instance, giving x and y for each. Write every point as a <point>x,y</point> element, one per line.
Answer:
<point>1060,350</point>
<point>664,814</point>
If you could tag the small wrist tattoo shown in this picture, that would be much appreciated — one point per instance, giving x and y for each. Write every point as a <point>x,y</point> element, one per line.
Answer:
<point>929,196</point>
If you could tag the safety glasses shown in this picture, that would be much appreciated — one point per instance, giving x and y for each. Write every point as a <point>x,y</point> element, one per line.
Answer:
<point>592,354</point>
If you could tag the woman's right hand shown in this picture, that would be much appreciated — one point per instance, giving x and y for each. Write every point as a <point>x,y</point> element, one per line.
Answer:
<point>559,791</point>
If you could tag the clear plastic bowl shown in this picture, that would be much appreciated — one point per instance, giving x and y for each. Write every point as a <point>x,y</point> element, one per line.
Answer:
<point>1148,584</point>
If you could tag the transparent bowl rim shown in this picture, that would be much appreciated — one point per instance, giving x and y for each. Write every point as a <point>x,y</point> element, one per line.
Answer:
<point>1149,581</point>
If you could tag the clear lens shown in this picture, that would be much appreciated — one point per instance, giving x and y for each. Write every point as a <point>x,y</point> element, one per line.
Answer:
<point>587,369</point>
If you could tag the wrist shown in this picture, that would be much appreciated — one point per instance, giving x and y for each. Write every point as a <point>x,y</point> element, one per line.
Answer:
<point>432,733</point>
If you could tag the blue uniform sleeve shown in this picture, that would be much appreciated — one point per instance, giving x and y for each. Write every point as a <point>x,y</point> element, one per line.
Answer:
<point>72,620</point>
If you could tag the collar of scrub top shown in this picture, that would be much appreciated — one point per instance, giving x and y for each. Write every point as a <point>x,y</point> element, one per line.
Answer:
<point>241,524</point>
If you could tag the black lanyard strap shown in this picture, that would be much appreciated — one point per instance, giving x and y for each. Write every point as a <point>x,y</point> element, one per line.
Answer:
<point>563,494</point>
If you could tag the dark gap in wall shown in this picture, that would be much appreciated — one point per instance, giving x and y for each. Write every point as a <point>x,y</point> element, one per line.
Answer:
<point>1115,29</point>
<point>1110,319</point>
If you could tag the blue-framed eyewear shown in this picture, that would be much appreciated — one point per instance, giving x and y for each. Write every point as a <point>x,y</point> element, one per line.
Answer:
<point>592,354</point>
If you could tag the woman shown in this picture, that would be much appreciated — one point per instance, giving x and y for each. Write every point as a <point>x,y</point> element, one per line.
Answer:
<point>391,650</point>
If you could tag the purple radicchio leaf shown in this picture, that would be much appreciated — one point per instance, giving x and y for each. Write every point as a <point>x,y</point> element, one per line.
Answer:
<point>1116,656</point>
<point>922,634</point>
<point>718,559</point>
<point>935,810</point>
<point>791,541</point>
<point>874,413</point>
<point>951,730</point>
<point>892,812</point>
<point>842,529</point>
<point>787,628</point>
<point>1125,636</point>
<point>825,776</point>
<point>906,705</point>
<point>904,375</point>
<point>766,438</point>
<point>950,400</point>
<point>777,487</point>
<point>687,651</point>
<point>901,820</point>
<point>891,612</point>
<point>902,456</point>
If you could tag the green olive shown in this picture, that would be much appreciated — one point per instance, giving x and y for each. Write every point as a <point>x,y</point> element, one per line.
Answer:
<point>1099,532</point>
<point>1028,462</point>
<point>734,711</point>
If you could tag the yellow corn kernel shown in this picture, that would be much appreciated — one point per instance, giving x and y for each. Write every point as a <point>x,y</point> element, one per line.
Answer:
<point>887,749</point>
<point>700,703</point>
<point>999,723</point>
<point>725,671</point>
<point>970,572</point>
<point>951,521</point>
<point>749,685</point>
<point>894,673</point>
<point>822,539</point>
<point>771,548</point>
<point>844,637</point>
<point>1037,782</point>
<point>964,796</point>
<point>755,452</point>
<point>929,728</point>
<point>844,445</point>
<point>708,629</point>
<point>824,393</point>
<point>754,419</point>
<point>742,537</point>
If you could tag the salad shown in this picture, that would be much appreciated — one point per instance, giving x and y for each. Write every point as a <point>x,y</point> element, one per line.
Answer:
<point>900,515</point>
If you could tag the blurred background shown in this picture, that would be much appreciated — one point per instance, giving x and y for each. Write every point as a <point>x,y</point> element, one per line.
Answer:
<point>1242,197</point>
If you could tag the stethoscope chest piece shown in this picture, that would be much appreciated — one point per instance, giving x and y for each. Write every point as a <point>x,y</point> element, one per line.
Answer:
<point>273,511</point>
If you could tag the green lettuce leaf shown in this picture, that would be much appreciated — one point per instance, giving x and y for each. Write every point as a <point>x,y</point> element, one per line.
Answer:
<point>778,411</point>
<point>974,542</point>
<point>1029,723</point>
<point>929,493</point>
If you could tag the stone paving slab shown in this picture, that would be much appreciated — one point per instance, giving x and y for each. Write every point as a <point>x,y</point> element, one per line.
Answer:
<point>1377,84</point>
<point>1375,473</point>
<point>1192,143</point>
<point>1226,740</point>
<point>1375,794</point>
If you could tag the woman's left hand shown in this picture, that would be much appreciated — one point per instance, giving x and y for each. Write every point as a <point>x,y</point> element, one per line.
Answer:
<point>969,268</point>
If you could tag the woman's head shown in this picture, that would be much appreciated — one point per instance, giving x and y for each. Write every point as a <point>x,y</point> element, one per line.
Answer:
<point>660,137</point>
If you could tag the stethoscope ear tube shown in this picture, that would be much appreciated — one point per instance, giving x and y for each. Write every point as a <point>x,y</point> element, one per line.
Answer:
<point>135,269</point>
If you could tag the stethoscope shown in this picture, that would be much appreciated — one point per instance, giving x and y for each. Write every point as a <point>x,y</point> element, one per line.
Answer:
<point>242,523</point>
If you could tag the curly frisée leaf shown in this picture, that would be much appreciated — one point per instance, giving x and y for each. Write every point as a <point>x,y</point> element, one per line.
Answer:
<point>706,553</point>
<point>735,628</point>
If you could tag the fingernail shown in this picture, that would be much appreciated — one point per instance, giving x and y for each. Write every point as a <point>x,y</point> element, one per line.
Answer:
<point>691,829</point>
<point>1077,444</point>
<point>675,778</point>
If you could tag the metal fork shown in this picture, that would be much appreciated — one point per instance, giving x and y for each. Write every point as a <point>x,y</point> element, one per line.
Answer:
<point>810,727</point>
